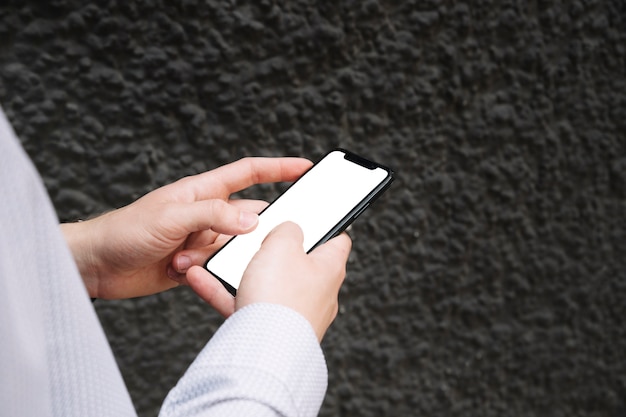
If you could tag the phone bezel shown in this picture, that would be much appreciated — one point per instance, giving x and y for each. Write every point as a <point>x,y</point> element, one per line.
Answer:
<point>346,221</point>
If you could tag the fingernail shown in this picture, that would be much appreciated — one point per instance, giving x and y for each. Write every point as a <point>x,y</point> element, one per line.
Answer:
<point>183,263</point>
<point>247,219</point>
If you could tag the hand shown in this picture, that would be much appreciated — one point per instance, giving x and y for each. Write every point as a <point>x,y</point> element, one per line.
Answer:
<point>128,252</point>
<point>282,273</point>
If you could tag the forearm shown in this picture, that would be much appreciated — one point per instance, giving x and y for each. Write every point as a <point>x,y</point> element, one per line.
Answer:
<point>264,361</point>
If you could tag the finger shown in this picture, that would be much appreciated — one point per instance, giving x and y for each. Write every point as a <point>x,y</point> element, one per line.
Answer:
<point>243,173</point>
<point>201,239</point>
<point>185,259</point>
<point>288,235</point>
<point>334,253</point>
<point>214,214</point>
<point>256,206</point>
<point>176,276</point>
<point>207,237</point>
<point>211,290</point>
<point>337,246</point>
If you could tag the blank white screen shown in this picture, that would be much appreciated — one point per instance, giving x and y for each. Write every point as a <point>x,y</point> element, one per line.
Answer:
<point>316,202</point>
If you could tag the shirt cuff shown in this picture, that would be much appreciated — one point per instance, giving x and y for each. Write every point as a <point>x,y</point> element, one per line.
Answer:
<point>265,356</point>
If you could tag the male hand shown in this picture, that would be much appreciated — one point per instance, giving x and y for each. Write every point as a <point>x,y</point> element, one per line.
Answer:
<point>130,252</point>
<point>282,273</point>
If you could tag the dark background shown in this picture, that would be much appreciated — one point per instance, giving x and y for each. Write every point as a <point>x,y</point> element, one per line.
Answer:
<point>490,280</point>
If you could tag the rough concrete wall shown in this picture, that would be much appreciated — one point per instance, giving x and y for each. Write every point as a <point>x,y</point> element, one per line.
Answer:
<point>490,280</point>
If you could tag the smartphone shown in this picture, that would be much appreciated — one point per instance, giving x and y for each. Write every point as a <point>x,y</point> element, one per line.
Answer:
<point>323,202</point>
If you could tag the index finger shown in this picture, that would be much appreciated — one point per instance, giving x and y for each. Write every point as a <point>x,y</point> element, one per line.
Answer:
<point>241,174</point>
<point>337,248</point>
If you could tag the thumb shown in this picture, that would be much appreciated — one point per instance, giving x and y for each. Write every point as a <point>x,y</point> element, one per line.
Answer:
<point>333,252</point>
<point>216,215</point>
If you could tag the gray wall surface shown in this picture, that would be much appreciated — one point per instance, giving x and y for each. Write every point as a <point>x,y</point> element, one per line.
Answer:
<point>489,281</point>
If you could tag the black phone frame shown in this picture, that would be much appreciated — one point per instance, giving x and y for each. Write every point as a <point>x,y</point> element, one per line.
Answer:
<point>345,222</point>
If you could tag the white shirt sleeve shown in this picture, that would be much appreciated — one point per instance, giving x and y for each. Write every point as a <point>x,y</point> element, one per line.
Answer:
<point>265,360</point>
<point>54,357</point>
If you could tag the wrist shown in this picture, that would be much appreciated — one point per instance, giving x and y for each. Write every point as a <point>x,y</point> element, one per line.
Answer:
<point>79,238</point>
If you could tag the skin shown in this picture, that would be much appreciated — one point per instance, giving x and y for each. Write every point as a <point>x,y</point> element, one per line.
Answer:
<point>282,273</point>
<point>158,241</point>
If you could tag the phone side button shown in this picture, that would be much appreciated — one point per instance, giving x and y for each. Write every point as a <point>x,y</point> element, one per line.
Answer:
<point>358,213</point>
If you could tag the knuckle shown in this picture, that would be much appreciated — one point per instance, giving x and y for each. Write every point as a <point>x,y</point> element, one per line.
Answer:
<point>217,207</point>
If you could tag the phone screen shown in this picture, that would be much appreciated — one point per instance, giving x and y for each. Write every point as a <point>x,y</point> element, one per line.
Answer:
<point>323,202</point>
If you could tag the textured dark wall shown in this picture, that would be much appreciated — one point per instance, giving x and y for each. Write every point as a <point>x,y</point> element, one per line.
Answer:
<point>489,281</point>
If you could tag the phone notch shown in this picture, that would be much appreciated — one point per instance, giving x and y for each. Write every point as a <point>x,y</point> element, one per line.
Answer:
<point>349,156</point>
